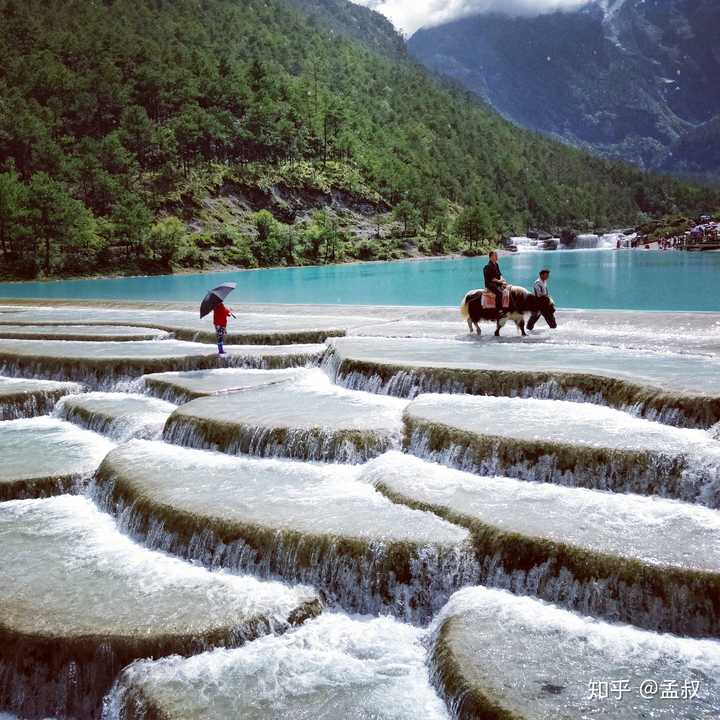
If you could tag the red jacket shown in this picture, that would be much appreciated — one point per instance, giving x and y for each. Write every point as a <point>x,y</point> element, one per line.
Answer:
<point>220,315</point>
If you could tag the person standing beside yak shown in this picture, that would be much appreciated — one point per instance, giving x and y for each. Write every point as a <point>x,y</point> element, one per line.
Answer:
<point>541,290</point>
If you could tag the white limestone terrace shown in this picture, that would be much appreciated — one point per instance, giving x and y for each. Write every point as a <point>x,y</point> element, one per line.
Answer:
<point>504,657</point>
<point>657,560</point>
<point>677,332</point>
<point>676,388</point>
<point>332,667</point>
<point>98,333</point>
<point>27,398</point>
<point>658,531</point>
<point>44,456</point>
<point>567,443</point>
<point>105,363</point>
<point>308,419</point>
<point>81,600</point>
<point>185,386</point>
<point>690,374</point>
<point>121,416</point>
<point>303,522</point>
<point>247,328</point>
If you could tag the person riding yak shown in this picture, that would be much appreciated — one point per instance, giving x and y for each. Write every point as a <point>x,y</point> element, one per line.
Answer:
<point>494,280</point>
<point>478,304</point>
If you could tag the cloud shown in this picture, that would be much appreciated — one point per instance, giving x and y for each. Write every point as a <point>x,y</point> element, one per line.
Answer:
<point>409,15</point>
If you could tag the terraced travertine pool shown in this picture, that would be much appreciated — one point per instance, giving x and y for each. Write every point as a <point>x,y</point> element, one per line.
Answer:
<point>357,513</point>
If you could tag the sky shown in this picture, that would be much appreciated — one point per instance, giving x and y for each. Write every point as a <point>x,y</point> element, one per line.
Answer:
<point>409,15</point>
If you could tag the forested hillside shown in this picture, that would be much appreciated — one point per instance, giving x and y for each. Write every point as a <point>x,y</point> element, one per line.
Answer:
<point>145,134</point>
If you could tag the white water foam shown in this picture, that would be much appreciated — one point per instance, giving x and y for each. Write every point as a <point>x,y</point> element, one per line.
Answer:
<point>333,667</point>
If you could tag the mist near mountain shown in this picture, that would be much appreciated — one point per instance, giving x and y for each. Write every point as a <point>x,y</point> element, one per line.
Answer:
<point>629,79</point>
<point>409,15</point>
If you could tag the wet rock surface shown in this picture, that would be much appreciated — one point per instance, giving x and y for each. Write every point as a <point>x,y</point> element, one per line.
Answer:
<point>93,333</point>
<point>103,364</point>
<point>186,386</point>
<point>246,329</point>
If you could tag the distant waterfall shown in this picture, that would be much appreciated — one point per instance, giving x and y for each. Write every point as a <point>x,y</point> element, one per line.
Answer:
<point>603,242</point>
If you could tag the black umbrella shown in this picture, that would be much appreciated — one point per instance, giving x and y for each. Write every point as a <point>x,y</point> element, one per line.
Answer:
<point>215,297</point>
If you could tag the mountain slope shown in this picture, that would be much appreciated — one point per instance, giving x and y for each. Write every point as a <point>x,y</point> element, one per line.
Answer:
<point>630,79</point>
<point>357,22</point>
<point>135,134</point>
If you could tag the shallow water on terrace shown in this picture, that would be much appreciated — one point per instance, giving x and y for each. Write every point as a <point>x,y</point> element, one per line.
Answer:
<point>658,531</point>
<point>668,371</point>
<point>78,332</point>
<point>558,421</point>
<point>70,349</point>
<point>665,332</point>
<point>121,416</point>
<point>540,661</point>
<point>275,494</point>
<point>222,380</point>
<point>46,447</point>
<point>590,279</point>
<point>310,401</point>
<point>18,385</point>
<point>80,575</point>
<point>333,667</point>
<point>96,318</point>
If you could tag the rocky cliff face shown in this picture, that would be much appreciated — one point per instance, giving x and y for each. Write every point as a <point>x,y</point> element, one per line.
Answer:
<point>630,79</point>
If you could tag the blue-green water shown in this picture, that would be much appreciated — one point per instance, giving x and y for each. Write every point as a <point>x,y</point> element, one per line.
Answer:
<point>640,280</point>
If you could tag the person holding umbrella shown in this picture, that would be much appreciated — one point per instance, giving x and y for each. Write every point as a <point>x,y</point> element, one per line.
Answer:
<point>214,302</point>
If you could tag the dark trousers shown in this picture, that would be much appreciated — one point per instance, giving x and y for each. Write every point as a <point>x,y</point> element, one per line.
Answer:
<point>533,319</point>
<point>497,290</point>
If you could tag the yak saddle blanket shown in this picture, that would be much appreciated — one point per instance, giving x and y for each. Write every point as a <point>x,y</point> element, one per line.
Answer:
<point>489,301</point>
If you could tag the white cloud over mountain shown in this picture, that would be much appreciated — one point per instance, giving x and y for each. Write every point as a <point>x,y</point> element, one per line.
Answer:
<point>409,15</point>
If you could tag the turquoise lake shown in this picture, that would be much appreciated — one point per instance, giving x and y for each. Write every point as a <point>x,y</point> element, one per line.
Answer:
<point>633,280</point>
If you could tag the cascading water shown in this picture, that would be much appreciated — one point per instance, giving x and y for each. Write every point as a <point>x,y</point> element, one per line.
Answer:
<point>639,560</point>
<point>598,242</point>
<point>308,419</point>
<point>333,667</point>
<point>671,388</point>
<point>565,443</point>
<point>29,398</point>
<point>301,522</point>
<point>89,600</point>
<point>385,533</point>
<point>121,416</point>
<point>554,664</point>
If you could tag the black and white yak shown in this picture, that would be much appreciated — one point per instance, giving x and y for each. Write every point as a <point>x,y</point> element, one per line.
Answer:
<point>521,303</point>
